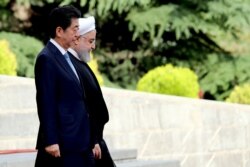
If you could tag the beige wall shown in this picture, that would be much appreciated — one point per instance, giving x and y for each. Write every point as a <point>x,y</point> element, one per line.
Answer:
<point>199,133</point>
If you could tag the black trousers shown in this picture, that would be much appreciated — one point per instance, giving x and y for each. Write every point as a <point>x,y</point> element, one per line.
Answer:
<point>67,159</point>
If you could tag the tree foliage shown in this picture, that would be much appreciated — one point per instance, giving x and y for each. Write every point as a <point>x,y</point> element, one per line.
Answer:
<point>188,33</point>
<point>154,18</point>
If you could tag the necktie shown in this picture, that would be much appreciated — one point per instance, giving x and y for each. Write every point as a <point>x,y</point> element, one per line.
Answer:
<point>66,55</point>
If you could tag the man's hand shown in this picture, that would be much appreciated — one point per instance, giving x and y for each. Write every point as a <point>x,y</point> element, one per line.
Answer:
<point>97,151</point>
<point>53,150</point>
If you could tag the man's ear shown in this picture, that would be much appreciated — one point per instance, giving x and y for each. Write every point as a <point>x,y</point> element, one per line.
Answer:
<point>59,31</point>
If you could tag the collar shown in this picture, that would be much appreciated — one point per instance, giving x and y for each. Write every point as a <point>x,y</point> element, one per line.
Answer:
<point>73,52</point>
<point>58,46</point>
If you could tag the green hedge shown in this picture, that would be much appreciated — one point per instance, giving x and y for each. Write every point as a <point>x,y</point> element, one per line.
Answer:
<point>170,80</point>
<point>25,48</point>
<point>7,59</point>
<point>240,94</point>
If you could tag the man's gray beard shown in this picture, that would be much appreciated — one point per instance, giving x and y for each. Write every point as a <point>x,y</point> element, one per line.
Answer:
<point>85,57</point>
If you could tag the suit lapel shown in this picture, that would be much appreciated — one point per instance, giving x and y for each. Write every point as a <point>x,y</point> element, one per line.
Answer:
<point>62,61</point>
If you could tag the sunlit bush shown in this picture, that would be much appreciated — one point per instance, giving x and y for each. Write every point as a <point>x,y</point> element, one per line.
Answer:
<point>240,94</point>
<point>170,80</point>
<point>8,62</point>
<point>94,66</point>
<point>26,49</point>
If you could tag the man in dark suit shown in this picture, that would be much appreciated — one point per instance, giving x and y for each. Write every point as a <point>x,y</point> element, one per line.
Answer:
<point>64,132</point>
<point>80,55</point>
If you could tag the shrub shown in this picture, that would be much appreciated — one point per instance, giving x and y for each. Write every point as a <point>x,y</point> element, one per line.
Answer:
<point>94,66</point>
<point>170,80</point>
<point>25,48</point>
<point>240,94</point>
<point>7,59</point>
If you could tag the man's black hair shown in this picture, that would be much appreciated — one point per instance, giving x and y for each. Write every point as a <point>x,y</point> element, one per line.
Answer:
<point>62,17</point>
